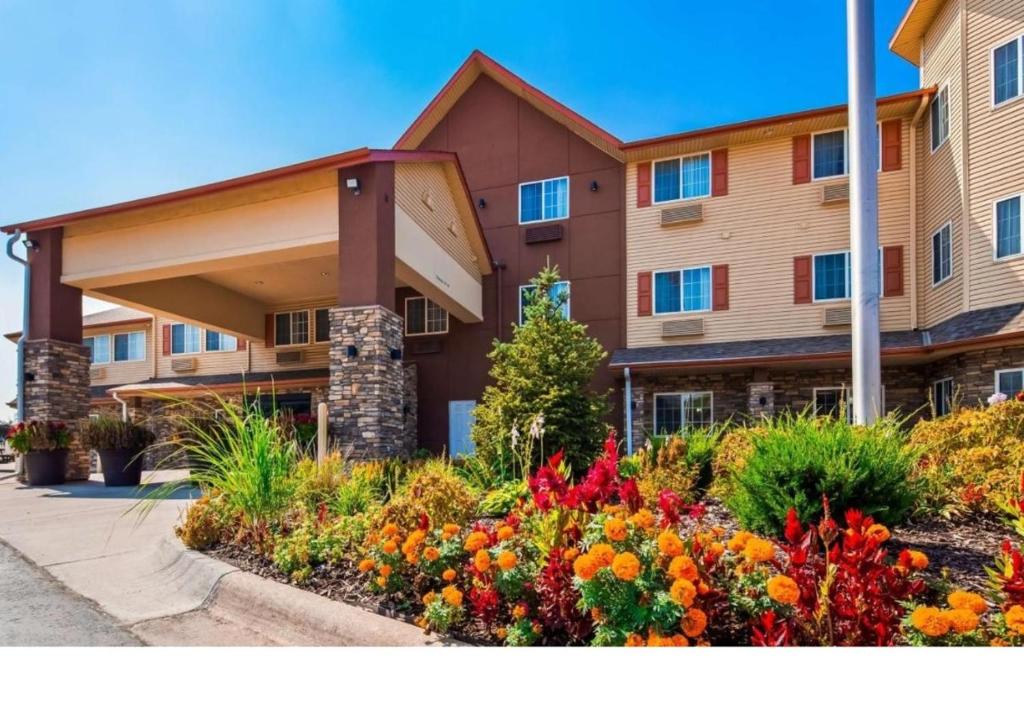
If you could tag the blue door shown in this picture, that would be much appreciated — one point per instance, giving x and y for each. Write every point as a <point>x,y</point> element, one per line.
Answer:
<point>460,424</point>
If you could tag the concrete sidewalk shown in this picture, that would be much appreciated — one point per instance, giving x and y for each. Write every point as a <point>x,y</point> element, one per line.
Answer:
<point>96,543</point>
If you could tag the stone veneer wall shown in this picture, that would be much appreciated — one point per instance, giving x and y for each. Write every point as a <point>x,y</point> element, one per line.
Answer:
<point>974,373</point>
<point>57,388</point>
<point>367,393</point>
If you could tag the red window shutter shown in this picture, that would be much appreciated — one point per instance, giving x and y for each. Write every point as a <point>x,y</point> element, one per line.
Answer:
<point>268,339</point>
<point>643,293</point>
<point>643,184</point>
<point>801,159</point>
<point>242,345</point>
<point>802,279</point>
<point>720,287</point>
<point>166,344</point>
<point>892,138</point>
<point>892,270</point>
<point>720,172</point>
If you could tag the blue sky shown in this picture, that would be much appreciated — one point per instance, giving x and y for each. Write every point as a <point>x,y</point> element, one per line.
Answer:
<point>107,101</point>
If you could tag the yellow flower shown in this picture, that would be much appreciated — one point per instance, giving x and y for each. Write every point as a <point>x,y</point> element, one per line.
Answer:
<point>634,640</point>
<point>759,550</point>
<point>783,589</point>
<point>431,554</point>
<point>643,518</point>
<point>448,575</point>
<point>615,529</point>
<point>381,581</point>
<point>452,595</point>
<point>879,532</point>
<point>476,540</point>
<point>482,560</point>
<point>669,543</point>
<point>682,567</point>
<point>603,554</point>
<point>918,560</point>
<point>585,567</point>
<point>694,622</point>
<point>1015,618</point>
<point>963,600</point>
<point>507,560</point>
<point>626,566</point>
<point>389,530</point>
<point>505,532</point>
<point>739,541</point>
<point>930,621</point>
<point>385,571</point>
<point>961,620</point>
<point>683,592</point>
<point>367,565</point>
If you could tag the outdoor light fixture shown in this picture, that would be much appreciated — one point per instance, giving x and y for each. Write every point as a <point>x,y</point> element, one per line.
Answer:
<point>351,351</point>
<point>353,185</point>
<point>481,203</point>
<point>594,186</point>
<point>30,244</point>
<point>396,353</point>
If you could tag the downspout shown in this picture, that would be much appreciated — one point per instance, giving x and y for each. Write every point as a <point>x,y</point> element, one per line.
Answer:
<point>124,406</point>
<point>498,266</point>
<point>25,315</point>
<point>914,245</point>
<point>629,411</point>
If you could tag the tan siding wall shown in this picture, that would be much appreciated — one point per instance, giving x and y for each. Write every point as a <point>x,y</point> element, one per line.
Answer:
<point>757,229</point>
<point>414,182</point>
<point>995,151</point>
<point>264,359</point>
<point>122,373</point>
<point>940,174</point>
<point>207,363</point>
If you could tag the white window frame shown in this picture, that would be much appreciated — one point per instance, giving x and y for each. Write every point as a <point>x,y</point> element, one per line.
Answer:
<point>113,343</point>
<point>681,394</point>
<point>846,154</point>
<point>110,350</point>
<point>943,88</point>
<point>942,281</point>
<point>995,228</point>
<point>1020,71</point>
<point>201,339</point>
<point>568,299</point>
<point>849,277</point>
<point>949,396</point>
<point>1005,371</point>
<point>310,331</point>
<point>682,310</point>
<point>206,334</point>
<point>542,219</point>
<point>680,158</point>
<point>426,324</point>
<point>314,312</point>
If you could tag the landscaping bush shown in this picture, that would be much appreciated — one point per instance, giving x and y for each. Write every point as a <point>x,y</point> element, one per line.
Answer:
<point>971,458</point>
<point>316,485</point>
<point>435,491</point>
<point>796,461</point>
<point>666,466</point>
<point>208,522</point>
<point>106,432</point>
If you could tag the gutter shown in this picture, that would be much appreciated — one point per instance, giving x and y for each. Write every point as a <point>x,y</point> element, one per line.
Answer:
<point>629,410</point>
<point>25,314</point>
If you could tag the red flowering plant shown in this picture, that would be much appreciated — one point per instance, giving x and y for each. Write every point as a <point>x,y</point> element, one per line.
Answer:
<point>38,435</point>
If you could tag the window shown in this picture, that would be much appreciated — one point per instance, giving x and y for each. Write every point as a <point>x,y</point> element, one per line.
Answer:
<point>291,328</point>
<point>544,200</point>
<point>832,276</point>
<point>184,339</point>
<point>1010,382</point>
<point>1007,221</point>
<point>130,347</point>
<point>942,396</point>
<point>940,118</point>
<point>99,348</point>
<point>424,317</point>
<point>687,290</point>
<point>322,323</point>
<point>942,254</point>
<point>829,150</point>
<point>220,342</point>
<point>559,294</point>
<point>832,401</point>
<point>682,178</point>
<point>681,411</point>
<point>1007,69</point>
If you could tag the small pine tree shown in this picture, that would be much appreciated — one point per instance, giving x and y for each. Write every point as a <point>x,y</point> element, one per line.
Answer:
<point>545,371</point>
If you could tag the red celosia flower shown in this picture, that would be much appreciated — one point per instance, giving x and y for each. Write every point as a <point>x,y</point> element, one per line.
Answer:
<point>670,504</point>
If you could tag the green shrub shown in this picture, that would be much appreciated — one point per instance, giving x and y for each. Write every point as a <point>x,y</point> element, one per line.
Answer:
<point>500,501</point>
<point>665,467</point>
<point>435,490</point>
<point>796,460</point>
<point>310,544</point>
<point>317,485</point>
<point>208,522</point>
<point>383,477</point>
<point>354,495</point>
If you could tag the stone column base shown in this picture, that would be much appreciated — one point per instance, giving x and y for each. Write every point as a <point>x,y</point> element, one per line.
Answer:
<point>57,388</point>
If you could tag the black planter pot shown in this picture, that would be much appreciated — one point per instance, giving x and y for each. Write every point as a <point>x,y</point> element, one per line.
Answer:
<point>121,467</point>
<point>46,467</point>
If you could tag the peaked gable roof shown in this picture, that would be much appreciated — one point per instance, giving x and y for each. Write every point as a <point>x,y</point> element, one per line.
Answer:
<point>906,41</point>
<point>478,64</point>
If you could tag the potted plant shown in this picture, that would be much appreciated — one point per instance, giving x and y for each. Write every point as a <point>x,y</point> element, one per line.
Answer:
<point>120,444</point>
<point>45,447</point>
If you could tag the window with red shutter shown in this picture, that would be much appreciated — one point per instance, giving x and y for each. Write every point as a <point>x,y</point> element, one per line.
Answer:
<point>892,270</point>
<point>802,281</point>
<point>166,340</point>
<point>892,152</point>
<point>643,184</point>
<point>720,287</point>
<point>643,293</point>
<point>801,159</point>
<point>720,172</point>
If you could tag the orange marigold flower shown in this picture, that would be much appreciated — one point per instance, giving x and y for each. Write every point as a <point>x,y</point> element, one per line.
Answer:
<point>694,622</point>
<point>643,518</point>
<point>716,549</point>
<point>367,565</point>
<point>415,538</point>
<point>389,530</point>
<point>482,560</point>
<point>626,566</point>
<point>615,529</point>
<point>683,592</point>
<point>682,567</point>
<point>385,570</point>
<point>429,597</point>
<point>669,543</point>
<point>918,560</point>
<point>507,560</point>
<point>476,540</point>
<point>603,554</point>
<point>448,575</point>
<point>519,611</point>
<point>679,641</point>
<point>596,615</point>
<point>450,528</point>
<point>412,558</point>
<point>389,546</point>
<point>963,600</point>
<point>739,541</point>
<point>585,567</point>
<point>783,589</point>
<point>381,581</point>
<point>930,620</point>
<point>718,531</point>
<point>1014,618</point>
<point>702,588</point>
<point>505,532</point>
<point>570,554</point>
<point>878,532</point>
<point>962,620</point>
<point>759,550</point>
<point>634,640</point>
<point>431,554</point>
<point>501,633</point>
<point>452,595</point>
